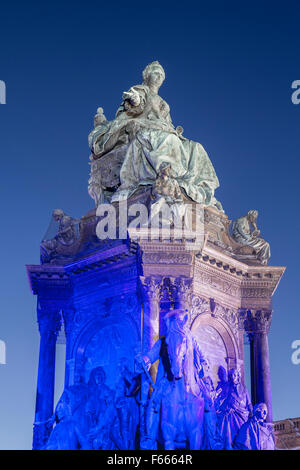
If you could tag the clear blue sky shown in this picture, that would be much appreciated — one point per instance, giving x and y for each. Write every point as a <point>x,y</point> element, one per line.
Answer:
<point>229,68</point>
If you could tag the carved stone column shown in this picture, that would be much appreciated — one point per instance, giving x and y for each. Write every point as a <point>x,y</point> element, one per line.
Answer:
<point>151,287</point>
<point>68,316</point>
<point>257,325</point>
<point>49,326</point>
<point>151,290</point>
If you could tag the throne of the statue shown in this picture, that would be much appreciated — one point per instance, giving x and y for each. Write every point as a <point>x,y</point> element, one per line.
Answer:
<point>107,298</point>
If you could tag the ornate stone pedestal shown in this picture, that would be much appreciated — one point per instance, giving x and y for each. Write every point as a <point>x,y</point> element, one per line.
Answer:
<point>111,297</point>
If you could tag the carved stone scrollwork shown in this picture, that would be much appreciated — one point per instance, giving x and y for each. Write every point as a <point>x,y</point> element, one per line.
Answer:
<point>198,306</point>
<point>167,258</point>
<point>228,315</point>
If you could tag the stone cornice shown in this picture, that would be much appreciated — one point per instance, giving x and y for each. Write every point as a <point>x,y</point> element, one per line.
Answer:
<point>215,274</point>
<point>222,261</point>
<point>98,259</point>
<point>62,274</point>
<point>46,273</point>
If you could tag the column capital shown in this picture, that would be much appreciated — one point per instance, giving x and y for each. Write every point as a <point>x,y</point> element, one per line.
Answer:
<point>255,321</point>
<point>180,288</point>
<point>151,287</point>
<point>50,321</point>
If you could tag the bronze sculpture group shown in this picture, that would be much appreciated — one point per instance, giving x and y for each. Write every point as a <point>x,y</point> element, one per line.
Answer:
<point>183,409</point>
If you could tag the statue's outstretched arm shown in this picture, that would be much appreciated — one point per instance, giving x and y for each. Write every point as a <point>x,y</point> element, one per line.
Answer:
<point>132,96</point>
<point>134,101</point>
<point>154,353</point>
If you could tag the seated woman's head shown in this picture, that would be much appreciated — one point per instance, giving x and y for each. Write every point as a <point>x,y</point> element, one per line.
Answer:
<point>154,74</point>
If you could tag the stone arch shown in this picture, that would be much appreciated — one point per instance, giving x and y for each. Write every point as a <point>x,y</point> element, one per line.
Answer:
<point>102,342</point>
<point>223,344</point>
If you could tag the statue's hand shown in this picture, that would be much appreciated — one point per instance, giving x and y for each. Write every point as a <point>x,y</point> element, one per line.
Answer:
<point>142,362</point>
<point>132,97</point>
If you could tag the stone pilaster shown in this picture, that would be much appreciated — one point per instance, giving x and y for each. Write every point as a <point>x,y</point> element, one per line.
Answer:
<point>49,326</point>
<point>256,324</point>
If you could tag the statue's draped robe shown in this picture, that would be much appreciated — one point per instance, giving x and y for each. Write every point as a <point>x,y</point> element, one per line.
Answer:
<point>66,436</point>
<point>155,142</point>
<point>234,406</point>
<point>241,232</point>
<point>254,435</point>
<point>100,415</point>
<point>211,438</point>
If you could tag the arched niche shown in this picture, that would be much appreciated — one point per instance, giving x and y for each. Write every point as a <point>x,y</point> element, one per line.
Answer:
<point>104,343</point>
<point>217,343</point>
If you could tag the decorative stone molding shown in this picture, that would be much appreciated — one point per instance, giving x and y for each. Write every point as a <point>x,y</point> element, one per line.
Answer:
<point>167,258</point>
<point>255,292</point>
<point>198,306</point>
<point>228,315</point>
<point>217,282</point>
